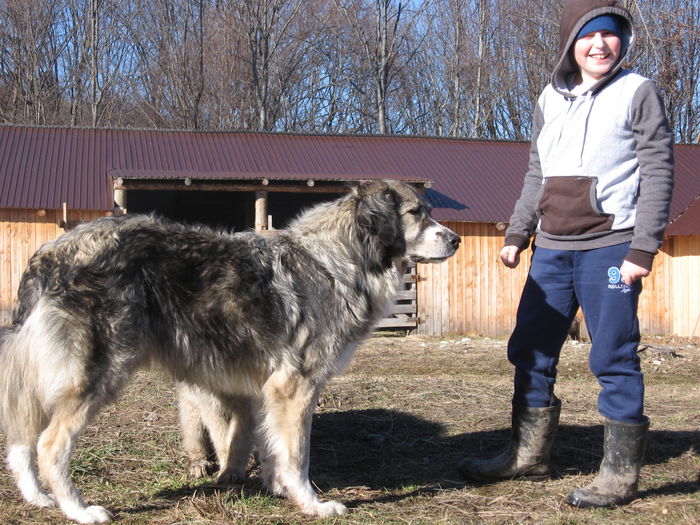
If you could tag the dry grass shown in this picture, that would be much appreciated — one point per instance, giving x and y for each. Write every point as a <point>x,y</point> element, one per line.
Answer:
<point>386,438</point>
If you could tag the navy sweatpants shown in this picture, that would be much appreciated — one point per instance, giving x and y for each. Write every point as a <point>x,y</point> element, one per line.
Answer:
<point>559,281</point>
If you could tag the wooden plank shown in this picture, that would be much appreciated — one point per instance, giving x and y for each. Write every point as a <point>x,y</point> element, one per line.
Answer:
<point>406,295</point>
<point>397,323</point>
<point>410,308</point>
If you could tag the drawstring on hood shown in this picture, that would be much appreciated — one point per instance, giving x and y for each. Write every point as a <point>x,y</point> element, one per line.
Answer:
<point>576,14</point>
<point>589,104</point>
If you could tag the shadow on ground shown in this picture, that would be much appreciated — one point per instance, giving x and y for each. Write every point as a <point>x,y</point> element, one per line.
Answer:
<point>387,450</point>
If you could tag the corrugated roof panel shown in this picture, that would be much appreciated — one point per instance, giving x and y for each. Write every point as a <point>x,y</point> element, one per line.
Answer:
<point>69,166</point>
<point>18,186</point>
<point>475,181</point>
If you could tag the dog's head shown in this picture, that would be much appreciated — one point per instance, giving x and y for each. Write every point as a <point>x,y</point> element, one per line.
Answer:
<point>394,222</point>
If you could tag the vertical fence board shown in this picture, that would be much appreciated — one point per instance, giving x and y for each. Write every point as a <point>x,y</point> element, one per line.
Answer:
<point>686,291</point>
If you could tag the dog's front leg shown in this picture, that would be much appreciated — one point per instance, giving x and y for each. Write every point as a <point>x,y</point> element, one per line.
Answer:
<point>230,425</point>
<point>228,421</point>
<point>288,404</point>
<point>194,438</point>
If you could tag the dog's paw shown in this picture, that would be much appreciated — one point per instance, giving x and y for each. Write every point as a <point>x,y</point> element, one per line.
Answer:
<point>230,477</point>
<point>276,488</point>
<point>201,468</point>
<point>99,514</point>
<point>89,515</point>
<point>328,508</point>
<point>42,499</point>
<point>273,484</point>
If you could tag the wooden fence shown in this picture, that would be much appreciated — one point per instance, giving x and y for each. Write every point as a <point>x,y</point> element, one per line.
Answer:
<point>404,314</point>
<point>22,232</point>
<point>472,293</point>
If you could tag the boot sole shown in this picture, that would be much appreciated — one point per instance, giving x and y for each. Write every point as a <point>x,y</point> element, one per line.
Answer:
<point>583,504</point>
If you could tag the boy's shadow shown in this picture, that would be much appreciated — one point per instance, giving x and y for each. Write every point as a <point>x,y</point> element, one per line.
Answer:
<point>386,449</point>
<point>383,449</point>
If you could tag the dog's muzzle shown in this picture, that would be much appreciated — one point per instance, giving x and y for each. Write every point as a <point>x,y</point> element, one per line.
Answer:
<point>448,244</point>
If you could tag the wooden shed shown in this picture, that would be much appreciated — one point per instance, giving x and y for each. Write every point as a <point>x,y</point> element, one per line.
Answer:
<point>53,178</point>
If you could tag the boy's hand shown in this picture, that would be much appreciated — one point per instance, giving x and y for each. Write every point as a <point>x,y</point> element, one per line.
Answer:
<point>510,255</point>
<point>630,272</point>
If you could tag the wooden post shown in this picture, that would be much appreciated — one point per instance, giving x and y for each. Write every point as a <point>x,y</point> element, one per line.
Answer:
<point>119,197</point>
<point>119,202</point>
<point>260,210</point>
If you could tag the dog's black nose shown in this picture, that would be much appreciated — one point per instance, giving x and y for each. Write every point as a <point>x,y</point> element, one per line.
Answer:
<point>452,238</point>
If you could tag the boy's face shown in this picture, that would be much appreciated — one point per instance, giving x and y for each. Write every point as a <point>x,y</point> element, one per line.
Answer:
<point>596,53</point>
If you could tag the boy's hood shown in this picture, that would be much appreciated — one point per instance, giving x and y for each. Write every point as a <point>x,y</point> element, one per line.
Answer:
<point>575,15</point>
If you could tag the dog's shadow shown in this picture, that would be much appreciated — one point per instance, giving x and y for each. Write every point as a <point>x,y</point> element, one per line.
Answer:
<point>381,450</point>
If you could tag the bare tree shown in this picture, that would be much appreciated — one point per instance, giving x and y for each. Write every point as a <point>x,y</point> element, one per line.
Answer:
<point>461,68</point>
<point>382,32</point>
<point>170,39</point>
<point>31,45</point>
<point>274,49</point>
<point>668,51</point>
<point>98,58</point>
<point>526,47</point>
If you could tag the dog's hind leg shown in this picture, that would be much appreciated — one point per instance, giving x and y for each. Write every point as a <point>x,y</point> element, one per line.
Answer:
<point>56,443</point>
<point>288,404</point>
<point>21,460</point>
<point>23,416</point>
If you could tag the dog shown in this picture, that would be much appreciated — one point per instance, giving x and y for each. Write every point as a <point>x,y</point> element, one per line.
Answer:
<point>252,326</point>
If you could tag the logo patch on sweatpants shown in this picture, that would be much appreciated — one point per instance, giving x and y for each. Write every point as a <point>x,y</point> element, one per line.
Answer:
<point>615,281</point>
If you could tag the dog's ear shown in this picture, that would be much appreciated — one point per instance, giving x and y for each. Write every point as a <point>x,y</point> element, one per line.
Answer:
<point>379,223</point>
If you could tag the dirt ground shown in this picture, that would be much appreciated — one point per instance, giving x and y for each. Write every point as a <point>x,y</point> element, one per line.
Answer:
<point>387,437</point>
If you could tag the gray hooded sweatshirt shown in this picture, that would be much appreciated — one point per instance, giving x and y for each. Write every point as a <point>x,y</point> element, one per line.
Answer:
<point>601,161</point>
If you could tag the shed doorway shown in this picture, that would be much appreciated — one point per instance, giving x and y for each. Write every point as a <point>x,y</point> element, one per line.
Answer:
<point>232,210</point>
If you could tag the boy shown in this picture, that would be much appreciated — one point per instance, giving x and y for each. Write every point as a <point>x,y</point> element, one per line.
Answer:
<point>597,194</point>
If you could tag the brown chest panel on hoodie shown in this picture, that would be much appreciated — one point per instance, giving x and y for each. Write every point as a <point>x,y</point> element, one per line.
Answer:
<point>568,207</point>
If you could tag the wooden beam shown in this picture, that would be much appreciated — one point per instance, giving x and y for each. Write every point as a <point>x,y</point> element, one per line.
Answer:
<point>189,184</point>
<point>218,186</point>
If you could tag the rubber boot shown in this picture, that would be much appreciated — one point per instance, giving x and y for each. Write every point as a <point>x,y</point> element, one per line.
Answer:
<point>527,454</point>
<point>616,483</point>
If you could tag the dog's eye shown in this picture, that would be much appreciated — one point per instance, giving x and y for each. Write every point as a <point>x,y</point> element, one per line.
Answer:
<point>415,211</point>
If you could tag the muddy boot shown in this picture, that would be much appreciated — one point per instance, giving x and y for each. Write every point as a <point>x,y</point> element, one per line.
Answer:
<point>616,484</point>
<point>527,453</point>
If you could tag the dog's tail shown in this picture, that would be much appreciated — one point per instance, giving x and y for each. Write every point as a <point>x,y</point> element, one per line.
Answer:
<point>22,415</point>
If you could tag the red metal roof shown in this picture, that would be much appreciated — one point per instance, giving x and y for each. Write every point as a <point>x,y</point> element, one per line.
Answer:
<point>685,206</point>
<point>473,181</point>
<point>688,222</point>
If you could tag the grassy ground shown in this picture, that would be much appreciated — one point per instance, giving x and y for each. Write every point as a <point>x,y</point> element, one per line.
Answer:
<point>386,438</point>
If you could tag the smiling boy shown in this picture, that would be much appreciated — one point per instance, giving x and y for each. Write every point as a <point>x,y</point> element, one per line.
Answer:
<point>597,194</point>
<point>597,50</point>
